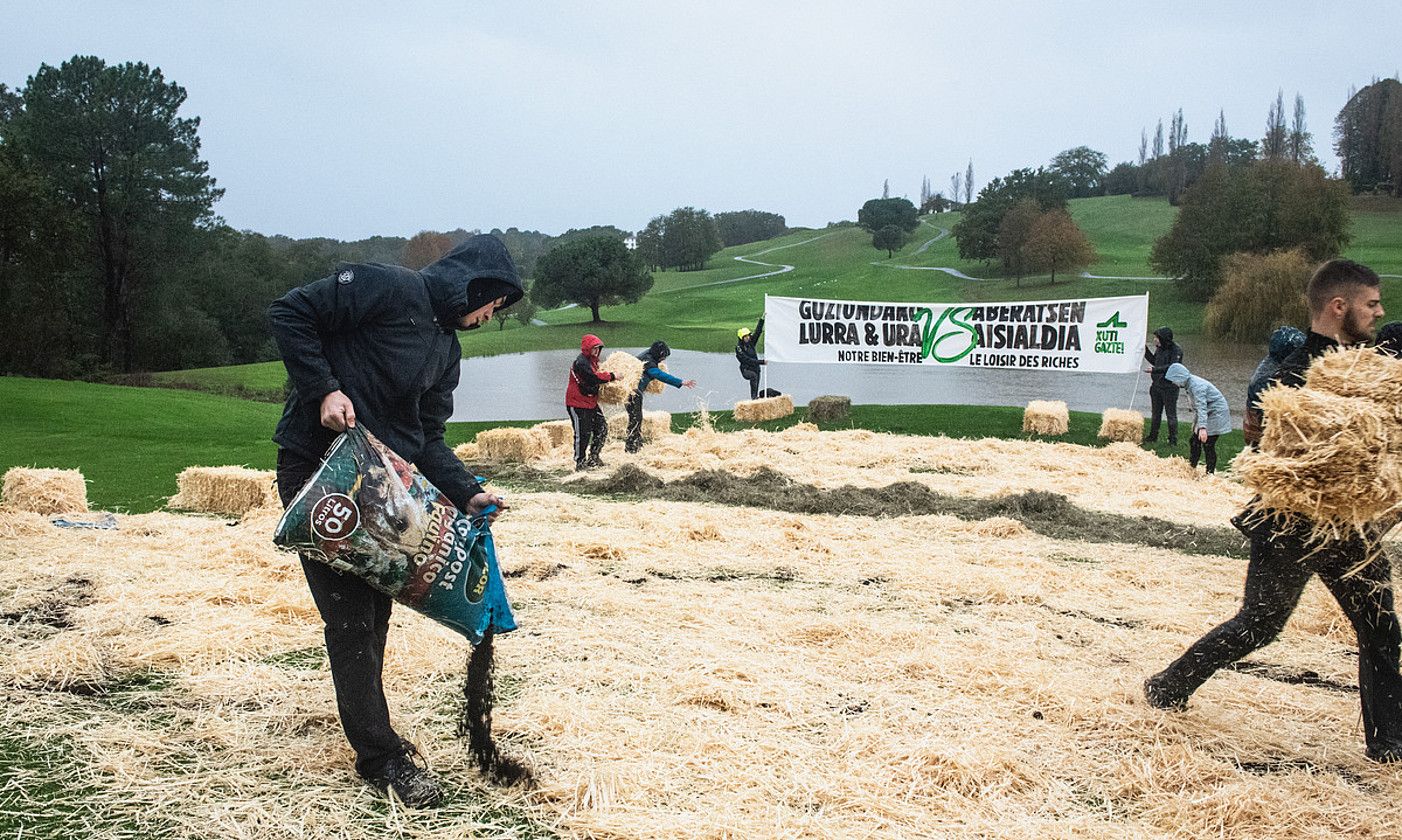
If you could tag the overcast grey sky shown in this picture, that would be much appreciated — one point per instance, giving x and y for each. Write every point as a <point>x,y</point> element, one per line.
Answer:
<point>351,119</point>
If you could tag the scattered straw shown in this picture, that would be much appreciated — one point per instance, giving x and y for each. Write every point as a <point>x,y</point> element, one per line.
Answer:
<point>629,371</point>
<point>765,408</point>
<point>511,444</point>
<point>228,491</point>
<point>467,452</point>
<point>1046,417</point>
<point>44,491</point>
<point>829,407</point>
<point>1121,425</point>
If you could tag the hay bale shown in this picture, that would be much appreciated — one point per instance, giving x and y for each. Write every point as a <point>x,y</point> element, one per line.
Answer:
<point>1359,372</point>
<point>560,432</point>
<point>829,407</point>
<point>1334,460</point>
<point>765,408</point>
<point>657,386</point>
<point>1119,424</point>
<point>467,452</point>
<point>44,491</point>
<point>512,444</point>
<point>228,491</point>
<point>655,425</point>
<point>1046,417</point>
<point>629,371</point>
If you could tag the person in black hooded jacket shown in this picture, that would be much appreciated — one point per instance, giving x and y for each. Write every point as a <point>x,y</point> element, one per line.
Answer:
<point>377,345</point>
<point>652,359</point>
<point>1163,395</point>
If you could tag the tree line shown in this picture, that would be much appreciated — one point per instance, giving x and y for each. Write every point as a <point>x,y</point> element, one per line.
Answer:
<point>113,260</point>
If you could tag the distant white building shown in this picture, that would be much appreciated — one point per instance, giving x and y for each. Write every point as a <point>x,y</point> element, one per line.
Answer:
<point>631,241</point>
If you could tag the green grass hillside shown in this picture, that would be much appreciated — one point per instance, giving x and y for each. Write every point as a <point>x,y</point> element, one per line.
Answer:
<point>699,310</point>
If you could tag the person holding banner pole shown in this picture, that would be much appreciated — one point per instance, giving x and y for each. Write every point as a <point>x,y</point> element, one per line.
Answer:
<point>745,353</point>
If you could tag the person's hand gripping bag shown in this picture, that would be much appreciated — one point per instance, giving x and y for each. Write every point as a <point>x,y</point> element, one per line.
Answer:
<point>369,513</point>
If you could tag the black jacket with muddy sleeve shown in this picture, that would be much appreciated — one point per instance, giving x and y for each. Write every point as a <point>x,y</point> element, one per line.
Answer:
<point>385,337</point>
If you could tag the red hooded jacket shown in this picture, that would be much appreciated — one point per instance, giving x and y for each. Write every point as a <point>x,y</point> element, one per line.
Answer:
<point>585,376</point>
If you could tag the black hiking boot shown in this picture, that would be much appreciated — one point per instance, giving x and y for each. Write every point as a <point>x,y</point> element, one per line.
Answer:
<point>593,462</point>
<point>1385,751</point>
<point>1161,693</point>
<point>410,779</point>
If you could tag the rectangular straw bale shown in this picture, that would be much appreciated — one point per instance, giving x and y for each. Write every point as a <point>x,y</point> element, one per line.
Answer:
<point>467,452</point>
<point>1046,417</point>
<point>830,407</point>
<point>1121,425</point>
<point>512,444</point>
<point>560,432</point>
<point>44,491</point>
<point>1359,372</point>
<point>228,491</point>
<point>1336,460</point>
<point>629,371</point>
<point>765,408</point>
<point>657,386</point>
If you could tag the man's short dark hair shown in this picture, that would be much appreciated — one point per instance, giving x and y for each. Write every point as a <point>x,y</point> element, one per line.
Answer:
<point>1337,277</point>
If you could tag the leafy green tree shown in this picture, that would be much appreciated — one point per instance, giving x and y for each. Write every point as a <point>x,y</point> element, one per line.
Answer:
<point>1368,138</point>
<point>881,212</point>
<point>650,243</point>
<point>1266,206</point>
<point>1123,179</point>
<point>889,239</point>
<point>1083,169</point>
<point>742,227</point>
<point>594,271</point>
<point>109,143</point>
<point>689,238</point>
<point>977,232</point>
<point>1056,243</point>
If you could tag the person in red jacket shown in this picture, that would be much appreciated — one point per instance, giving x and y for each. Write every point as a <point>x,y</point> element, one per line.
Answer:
<point>582,403</point>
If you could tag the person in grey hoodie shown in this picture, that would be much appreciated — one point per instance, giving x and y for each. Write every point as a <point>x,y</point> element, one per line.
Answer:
<point>1211,419</point>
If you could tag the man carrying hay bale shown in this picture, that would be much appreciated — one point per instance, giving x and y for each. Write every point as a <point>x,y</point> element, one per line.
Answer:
<point>376,345</point>
<point>745,353</point>
<point>1163,394</point>
<point>1284,341</point>
<point>1211,417</point>
<point>591,430</point>
<point>652,359</point>
<point>1344,303</point>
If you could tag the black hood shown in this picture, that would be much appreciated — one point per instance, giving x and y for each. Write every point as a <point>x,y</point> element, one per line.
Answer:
<point>658,351</point>
<point>1165,336</point>
<point>467,277</point>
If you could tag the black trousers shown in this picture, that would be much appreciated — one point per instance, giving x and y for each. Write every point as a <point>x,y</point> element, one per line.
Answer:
<point>634,442</point>
<point>753,377</point>
<point>1276,575</point>
<point>591,432</point>
<point>1163,401</point>
<point>1197,449</point>
<point>357,621</point>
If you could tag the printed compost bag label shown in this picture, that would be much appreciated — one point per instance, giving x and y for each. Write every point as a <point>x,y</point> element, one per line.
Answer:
<point>369,512</point>
<point>1096,335</point>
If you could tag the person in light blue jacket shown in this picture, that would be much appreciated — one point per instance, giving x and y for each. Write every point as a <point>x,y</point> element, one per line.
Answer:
<point>1211,418</point>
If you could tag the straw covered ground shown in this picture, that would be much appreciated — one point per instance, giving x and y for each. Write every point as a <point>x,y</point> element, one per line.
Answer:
<point>687,670</point>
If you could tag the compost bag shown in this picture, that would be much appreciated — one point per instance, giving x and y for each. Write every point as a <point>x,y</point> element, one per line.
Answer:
<point>368,512</point>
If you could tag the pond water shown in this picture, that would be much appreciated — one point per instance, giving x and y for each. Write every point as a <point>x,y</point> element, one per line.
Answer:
<point>531,386</point>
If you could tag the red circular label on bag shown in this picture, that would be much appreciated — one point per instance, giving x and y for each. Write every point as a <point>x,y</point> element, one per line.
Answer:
<point>335,516</point>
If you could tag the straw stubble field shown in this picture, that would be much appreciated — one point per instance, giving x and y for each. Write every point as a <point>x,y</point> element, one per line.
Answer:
<point>696,670</point>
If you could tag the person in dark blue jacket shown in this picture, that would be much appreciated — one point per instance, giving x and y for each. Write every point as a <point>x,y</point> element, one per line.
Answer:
<point>1163,394</point>
<point>652,359</point>
<point>376,345</point>
<point>1284,341</point>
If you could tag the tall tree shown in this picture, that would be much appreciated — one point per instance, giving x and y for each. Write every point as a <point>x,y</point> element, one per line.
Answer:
<point>1055,243</point>
<point>977,232</point>
<point>650,243</point>
<point>1158,140</point>
<point>1300,142</point>
<point>741,227</point>
<point>110,143</point>
<point>689,238</point>
<point>1217,146</point>
<point>877,213</point>
<point>969,182</point>
<point>594,271</point>
<point>890,239</point>
<point>1013,233</point>
<point>954,185</point>
<point>1083,168</point>
<point>1368,137</point>
<point>886,189</point>
<point>1274,144</point>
